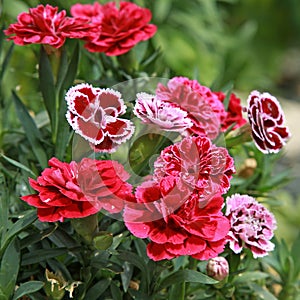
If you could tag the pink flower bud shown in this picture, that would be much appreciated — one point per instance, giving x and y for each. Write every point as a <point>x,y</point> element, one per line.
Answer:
<point>217,268</point>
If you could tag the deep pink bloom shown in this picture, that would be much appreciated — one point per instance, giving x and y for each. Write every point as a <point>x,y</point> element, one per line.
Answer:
<point>91,11</point>
<point>217,268</point>
<point>251,225</point>
<point>205,168</point>
<point>45,25</point>
<point>234,113</point>
<point>152,110</point>
<point>119,29</point>
<point>77,190</point>
<point>187,230</point>
<point>203,107</point>
<point>94,114</point>
<point>267,119</point>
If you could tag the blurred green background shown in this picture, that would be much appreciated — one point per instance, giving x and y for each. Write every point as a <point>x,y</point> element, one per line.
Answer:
<point>253,44</point>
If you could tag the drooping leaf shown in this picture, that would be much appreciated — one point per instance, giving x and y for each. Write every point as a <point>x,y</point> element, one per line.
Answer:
<point>27,288</point>
<point>186,276</point>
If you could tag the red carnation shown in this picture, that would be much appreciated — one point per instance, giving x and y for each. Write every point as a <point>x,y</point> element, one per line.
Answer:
<point>205,168</point>
<point>234,112</point>
<point>188,230</point>
<point>267,119</point>
<point>45,25</point>
<point>119,29</point>
<point>77,190</point>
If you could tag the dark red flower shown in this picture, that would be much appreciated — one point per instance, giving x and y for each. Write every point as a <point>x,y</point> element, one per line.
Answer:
<point>119,29</point>
<point>202,105</point>
<point>94,114</point>
<point>205,168</point>
<point>267,119</point>
<point>234,113</point>
<point>45,25</point>
<point>77,190</point>
<point>188,230</point>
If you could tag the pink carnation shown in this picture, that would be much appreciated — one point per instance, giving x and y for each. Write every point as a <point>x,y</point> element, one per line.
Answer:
<point>77,190</point>
<point>205,168</point>
<point>187,230</point>
<point>94,114</point>
<point>152,110</point>
<point>251,225</point>
<point>119,29</point>
<point>93,12</point>
<point>202,105</point>
<point>267,119</point>
<point>45,25</point>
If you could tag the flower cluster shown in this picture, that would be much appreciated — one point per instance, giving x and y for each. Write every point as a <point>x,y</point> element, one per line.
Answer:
<point>179,205</point>
<point>104,28</point>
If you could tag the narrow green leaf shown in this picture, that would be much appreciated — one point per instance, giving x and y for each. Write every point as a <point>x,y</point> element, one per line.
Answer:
<point>261,293</point>
<point>32,133</point>
<point>47,86</point>
<point>27,288</point>
<point>70,75</point>
<point>6,61</point>
<point>126,275</point>
<point>40,255</point>
<point>186,276</point>
<point>250,276</point>
<point>25,220</point>
<point>17,164</point>
<point>295,255</point>
<point>98,289</point>
<point>116,292</point>
<point>10,268</point>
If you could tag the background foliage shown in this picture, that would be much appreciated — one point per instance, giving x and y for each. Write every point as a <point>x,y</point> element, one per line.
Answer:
<point>247,43</point>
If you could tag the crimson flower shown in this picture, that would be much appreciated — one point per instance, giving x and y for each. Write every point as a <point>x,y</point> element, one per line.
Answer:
<point>205,168</point>
<point>251,225</point>
<point>45,25</point>
<point>188,230</point>
<point>234,111</point>
<point>203,107</point>
<point>119,29</point>
<point>267,119</point>
<point>94,114</point>
<point>91,11</point>
<point>77,190</point>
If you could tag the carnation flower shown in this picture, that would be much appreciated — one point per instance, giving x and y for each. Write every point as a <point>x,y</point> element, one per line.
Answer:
<point>202,105</point>
<point>93,12</point>
<point>267,119</point>
<point>77,190</point>
<point>234,112</point>
<point>45,25</point>
<point>251,225</point>
<point>152,110</point>
<point>119,29</point>
<point>93,114</point>
<point>187,230</point>
<point>217,268</point>
<point>205,168</point>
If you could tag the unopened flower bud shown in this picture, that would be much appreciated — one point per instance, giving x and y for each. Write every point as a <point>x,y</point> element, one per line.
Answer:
<point>217,268</point>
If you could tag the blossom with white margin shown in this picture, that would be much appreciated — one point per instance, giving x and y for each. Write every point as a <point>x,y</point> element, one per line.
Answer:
<point>251,225</point>
<point>93,113</point>
<point>152,110</point>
